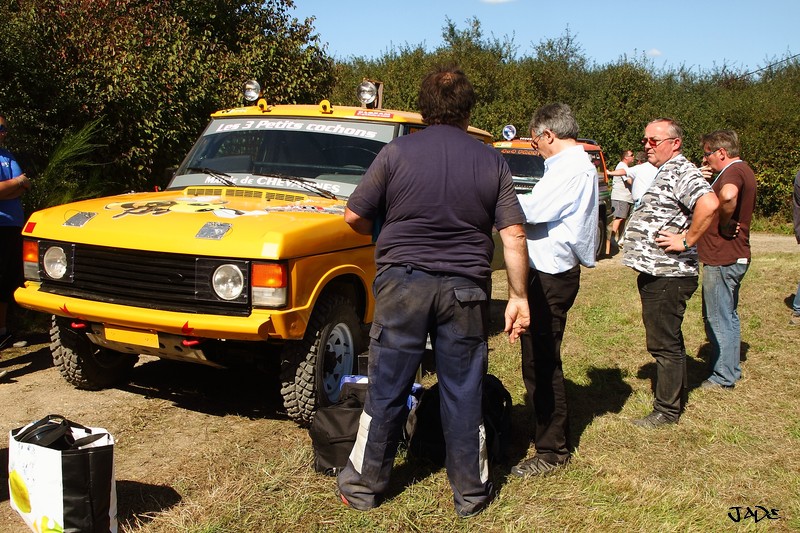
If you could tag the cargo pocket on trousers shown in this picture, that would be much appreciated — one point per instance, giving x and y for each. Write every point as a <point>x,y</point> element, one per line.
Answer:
<point>468,315</point>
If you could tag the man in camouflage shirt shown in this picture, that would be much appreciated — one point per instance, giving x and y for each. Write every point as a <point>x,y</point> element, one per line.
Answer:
<point>659,244</point>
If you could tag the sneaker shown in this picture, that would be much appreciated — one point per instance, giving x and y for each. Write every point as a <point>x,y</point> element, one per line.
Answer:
<point>794,320</point>
<point>708,384</point>
<point>535,466</point>
<point>654,420</point>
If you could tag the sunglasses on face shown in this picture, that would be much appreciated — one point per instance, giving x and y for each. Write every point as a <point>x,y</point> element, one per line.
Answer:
<point>706,154</point>
<point>653,142</point>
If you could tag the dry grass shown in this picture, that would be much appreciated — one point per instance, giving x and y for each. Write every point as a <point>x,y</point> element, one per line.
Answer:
<point>730,449</point>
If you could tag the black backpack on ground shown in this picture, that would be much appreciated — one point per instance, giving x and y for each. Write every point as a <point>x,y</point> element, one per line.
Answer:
<point>424,435</point>
<point>334,428</point>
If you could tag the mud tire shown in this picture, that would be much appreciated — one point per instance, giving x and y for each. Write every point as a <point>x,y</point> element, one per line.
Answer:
<point>84,364</point>
<point>311,368</point>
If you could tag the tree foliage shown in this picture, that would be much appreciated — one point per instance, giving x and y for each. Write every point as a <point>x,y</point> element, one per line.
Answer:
<point>149,73</point>
<point>612,102</point>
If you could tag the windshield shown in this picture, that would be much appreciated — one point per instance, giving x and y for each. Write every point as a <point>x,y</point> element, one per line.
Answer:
<point>523,163</point>
<point>267,153</point>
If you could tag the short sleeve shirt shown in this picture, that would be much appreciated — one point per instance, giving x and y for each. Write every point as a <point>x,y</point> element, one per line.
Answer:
<point>667,205</point>
<point>11,213</point>
<point>720,251</point>
<point>439,192</point>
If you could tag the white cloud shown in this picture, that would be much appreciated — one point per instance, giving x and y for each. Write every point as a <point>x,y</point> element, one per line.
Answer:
<point>654,52</point>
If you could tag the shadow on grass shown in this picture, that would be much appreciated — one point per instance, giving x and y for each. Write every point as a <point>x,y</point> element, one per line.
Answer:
<point>697,368</point>
<point>137,503</point>
<point>235,391</point>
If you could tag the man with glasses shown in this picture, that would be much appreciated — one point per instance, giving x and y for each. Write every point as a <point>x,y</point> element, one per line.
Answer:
<point>659,244</point>
<point>13,184</point>
<point>561,219</point>
<point>724,251</point>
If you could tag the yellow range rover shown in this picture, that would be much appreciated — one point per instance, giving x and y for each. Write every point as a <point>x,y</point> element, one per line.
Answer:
<point>245,255</point>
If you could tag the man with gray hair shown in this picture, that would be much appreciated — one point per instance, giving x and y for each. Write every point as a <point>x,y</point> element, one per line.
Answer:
<point>659,244</point>
<point>560,226</point>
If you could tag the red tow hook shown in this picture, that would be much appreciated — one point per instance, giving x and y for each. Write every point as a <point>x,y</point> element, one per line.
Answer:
<point>79,325</point>
<point>188,343</point>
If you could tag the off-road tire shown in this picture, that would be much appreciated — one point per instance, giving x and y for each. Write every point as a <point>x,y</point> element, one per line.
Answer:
<point>84,364</point>
<point>602,235</point>
<point>312,367</point>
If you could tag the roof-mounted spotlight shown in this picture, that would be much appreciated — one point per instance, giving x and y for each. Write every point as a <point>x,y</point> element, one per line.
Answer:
<point>509,132</point>
<point>251,90</point>
<point>370,94</point>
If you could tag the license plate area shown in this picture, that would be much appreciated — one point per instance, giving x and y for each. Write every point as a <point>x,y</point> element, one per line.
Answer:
<point>131,336</point>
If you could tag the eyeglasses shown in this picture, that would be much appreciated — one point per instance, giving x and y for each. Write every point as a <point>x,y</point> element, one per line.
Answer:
<point>706,154</point>
<point>535,140</point>
<point>653,142</point>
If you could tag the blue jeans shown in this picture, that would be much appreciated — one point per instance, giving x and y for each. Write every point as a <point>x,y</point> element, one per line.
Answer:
<point>720,300</point>
<point>409,305</point>
<point>663,306</point>
<point>796,303</point>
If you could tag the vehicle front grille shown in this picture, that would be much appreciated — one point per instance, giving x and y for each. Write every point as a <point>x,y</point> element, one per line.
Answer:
<point>151,280</point>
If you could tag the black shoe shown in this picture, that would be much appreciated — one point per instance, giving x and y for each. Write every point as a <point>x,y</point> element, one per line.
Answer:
<point>535,466</point>
<point>654,420</point>
<point>708,384</point>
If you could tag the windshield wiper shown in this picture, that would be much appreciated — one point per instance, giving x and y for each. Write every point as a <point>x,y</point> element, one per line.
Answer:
<point>221,176</point>
<point>306,183</point>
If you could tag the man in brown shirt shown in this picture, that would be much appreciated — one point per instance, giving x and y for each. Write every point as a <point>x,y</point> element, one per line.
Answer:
<point>724,250</point>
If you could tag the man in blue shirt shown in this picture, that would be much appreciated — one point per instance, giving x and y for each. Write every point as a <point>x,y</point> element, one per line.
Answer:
<point>13,184</point>
<point>561,229</point>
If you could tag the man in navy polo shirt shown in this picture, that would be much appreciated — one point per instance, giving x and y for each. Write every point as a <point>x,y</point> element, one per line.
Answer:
<point>439,192</point>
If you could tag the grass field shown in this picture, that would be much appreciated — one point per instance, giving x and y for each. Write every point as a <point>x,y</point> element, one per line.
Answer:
<point>734,455</point>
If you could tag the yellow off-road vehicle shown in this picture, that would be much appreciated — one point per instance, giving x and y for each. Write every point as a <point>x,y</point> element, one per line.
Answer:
<point>245,255</point>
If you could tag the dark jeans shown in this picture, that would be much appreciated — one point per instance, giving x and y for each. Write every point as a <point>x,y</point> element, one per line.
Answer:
<point>550,297</point>
<point>410,304</point>
<point>663,306</point>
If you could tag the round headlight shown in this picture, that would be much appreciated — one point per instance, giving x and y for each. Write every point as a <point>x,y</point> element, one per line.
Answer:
<point>251,90</point>
<point>55,262</point>
<point>509,132</point>
<point>228,282</point>
<point>366,92</point>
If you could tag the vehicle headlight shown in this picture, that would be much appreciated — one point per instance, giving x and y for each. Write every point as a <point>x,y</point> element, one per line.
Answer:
<point>55,262</point>
<point>251,90</point>
<point>228,281</point>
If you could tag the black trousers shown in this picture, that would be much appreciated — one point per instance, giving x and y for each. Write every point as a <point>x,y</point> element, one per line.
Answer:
<point>550,297</point>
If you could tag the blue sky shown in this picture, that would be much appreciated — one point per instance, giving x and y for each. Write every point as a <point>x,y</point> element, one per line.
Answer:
<point>699,35</point>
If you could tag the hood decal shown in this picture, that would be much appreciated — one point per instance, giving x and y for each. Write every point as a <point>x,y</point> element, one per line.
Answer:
<point>209,204</point>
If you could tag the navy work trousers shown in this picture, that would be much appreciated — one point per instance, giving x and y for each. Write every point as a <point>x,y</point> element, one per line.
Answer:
<point>410,304</point>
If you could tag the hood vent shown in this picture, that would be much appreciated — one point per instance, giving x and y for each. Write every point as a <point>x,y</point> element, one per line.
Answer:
<point>246,193</point>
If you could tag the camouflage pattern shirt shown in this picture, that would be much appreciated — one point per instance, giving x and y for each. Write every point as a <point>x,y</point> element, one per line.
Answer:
<point>667,205</point>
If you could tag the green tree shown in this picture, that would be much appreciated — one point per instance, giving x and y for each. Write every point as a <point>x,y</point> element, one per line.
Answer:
<point>151,72</point>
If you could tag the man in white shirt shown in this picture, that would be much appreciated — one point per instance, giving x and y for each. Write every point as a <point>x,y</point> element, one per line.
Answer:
<point>642,173</point>
<point>561,216</point>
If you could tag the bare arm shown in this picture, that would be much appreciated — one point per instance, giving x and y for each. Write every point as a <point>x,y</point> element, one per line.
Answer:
<point>701,218</point>
<point>15,187</point>
<point>359,224</point>
<point>515,252</point>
